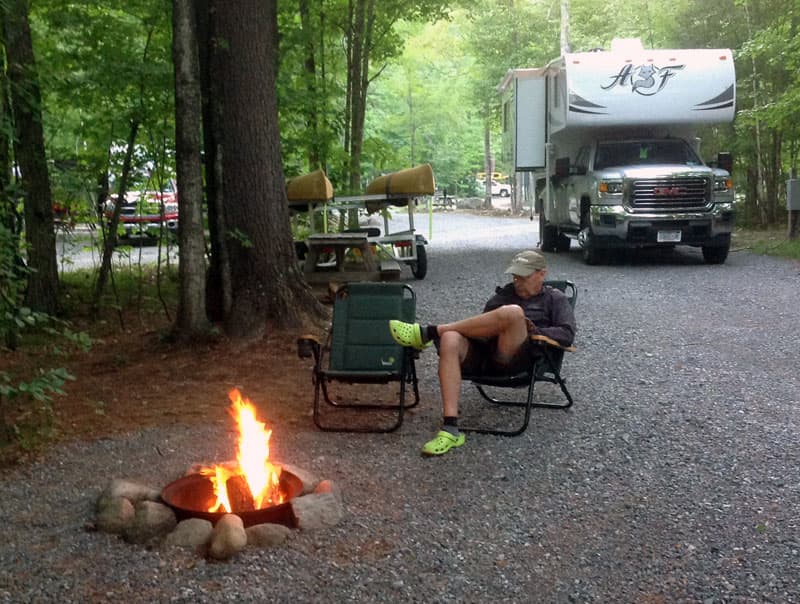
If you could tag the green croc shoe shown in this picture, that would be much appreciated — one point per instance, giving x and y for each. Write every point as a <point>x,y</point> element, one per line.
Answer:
<point>442,443</point>
<point>407,334</point>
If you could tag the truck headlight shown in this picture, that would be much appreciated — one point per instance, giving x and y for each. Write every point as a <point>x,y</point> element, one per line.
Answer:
<point>723,184</point>
<point>610,187</point>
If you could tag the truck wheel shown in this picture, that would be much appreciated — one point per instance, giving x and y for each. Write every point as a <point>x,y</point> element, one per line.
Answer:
<point>420,268</point>
<point>505,193</point>
<point>562,243</point>
<point>716,254</point>
<point>548,235</point>
<point>591,254</point>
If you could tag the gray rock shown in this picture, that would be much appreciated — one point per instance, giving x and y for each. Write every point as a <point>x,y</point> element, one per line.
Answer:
<point>267,535</point>
<point>317,510</point>
<point>228,537</point>
<point>132,491</point>
<point>151,520</point>
<point>469,203</point>
<point>192,532</point>
<point>114,515</point>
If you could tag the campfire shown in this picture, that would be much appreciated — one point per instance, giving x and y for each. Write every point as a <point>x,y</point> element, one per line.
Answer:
<point>251,487</point>
<point>222,508</point>
<point>254,482</point>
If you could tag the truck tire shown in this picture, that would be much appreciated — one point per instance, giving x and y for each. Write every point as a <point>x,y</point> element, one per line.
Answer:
<point>591,254</point>
<point>716,254</point>
<point>548,235</point>
<point>562,243</point>
<point>420,268</point>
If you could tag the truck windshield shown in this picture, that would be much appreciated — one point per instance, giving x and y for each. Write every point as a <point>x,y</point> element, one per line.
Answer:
<point>637,153</point>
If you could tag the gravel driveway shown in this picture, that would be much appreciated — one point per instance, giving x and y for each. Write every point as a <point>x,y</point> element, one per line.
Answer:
<point>674,478</point>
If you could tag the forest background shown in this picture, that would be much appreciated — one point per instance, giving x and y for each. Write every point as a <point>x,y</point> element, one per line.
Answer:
<point>103,98</point>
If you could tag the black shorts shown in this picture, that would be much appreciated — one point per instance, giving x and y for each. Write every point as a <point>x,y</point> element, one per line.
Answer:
<point>481,358</point>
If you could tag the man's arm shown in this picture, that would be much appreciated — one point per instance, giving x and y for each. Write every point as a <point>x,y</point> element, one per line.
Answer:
<point>562,326</point>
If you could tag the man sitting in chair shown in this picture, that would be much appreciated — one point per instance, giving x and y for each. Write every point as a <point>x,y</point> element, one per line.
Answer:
<point>496,340</point>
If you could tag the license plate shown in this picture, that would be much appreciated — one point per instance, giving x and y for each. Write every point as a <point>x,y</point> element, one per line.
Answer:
<point>668,237</point>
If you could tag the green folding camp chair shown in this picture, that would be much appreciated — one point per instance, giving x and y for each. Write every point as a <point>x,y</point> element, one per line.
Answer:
<point>545,368</point>
<point>360,350</point>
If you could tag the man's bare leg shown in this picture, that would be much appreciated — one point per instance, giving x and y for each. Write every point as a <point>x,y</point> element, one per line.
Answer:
<point>506,323</point>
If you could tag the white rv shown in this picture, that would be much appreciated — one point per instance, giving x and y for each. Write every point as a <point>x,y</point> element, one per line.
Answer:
<point>609,137</point>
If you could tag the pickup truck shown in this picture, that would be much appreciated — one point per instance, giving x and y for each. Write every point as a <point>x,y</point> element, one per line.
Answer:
<point>639,193</point>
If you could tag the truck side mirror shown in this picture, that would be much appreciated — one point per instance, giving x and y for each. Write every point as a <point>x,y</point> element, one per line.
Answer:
<point>725,161</point>
<point>562,166</point>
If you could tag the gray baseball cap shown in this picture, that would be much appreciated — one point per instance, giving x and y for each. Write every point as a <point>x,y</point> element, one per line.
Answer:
<point>526,263</point>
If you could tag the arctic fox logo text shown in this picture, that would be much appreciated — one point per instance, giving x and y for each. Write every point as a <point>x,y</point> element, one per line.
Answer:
<point>646,80</point>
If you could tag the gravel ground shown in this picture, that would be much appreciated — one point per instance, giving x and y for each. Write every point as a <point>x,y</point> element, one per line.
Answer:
<point>674,478</point>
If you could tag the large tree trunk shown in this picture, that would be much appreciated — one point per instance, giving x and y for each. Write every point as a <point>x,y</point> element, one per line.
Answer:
<point>191,318</point>
<point>42,290</point>
<point>218,283</point>
<point>268,287</point>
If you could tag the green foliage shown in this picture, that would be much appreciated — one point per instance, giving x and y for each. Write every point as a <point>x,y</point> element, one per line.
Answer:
<point>435,65</point>
<point>34,391</point>
<point>781,247</point>
<point>101,67</point>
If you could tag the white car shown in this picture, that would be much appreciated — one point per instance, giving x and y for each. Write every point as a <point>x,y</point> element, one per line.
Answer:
<point>501,189</point>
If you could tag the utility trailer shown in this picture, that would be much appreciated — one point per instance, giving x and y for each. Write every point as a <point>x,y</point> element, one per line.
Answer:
<point>381,251</point>
<point>607,144</point>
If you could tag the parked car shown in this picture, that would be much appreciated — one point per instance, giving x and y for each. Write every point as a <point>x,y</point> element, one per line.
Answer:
<point>501,189</point>
<point>141,214</point>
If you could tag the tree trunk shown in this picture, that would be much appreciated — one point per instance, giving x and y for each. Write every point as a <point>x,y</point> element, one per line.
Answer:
<point>110,241</point>
<point>42,290</point>
<point>565,22</point>
<point>218,283</point>
<point>312,118</point>
<point>268,287</point>
<point>191,320</point>
<point>487,166</point>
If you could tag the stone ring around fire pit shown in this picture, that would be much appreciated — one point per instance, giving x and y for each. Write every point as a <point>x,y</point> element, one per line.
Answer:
<point>173,516</point>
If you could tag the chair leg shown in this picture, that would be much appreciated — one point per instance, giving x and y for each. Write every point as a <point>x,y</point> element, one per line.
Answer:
<point>528,404</point>
<point>321,392</point>
<point>515,431</point>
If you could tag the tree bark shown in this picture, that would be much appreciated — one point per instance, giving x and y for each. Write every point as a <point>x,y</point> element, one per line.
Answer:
<point>268,288</point>
<point>42,290</point>
<point>218,283</point>
<point>191,320</point>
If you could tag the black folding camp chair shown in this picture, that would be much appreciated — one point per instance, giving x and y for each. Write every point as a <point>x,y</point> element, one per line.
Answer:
<point>360,350</point>
<point>544,368</point>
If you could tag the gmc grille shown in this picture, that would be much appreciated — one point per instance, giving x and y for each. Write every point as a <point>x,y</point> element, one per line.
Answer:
<point>670,194</point>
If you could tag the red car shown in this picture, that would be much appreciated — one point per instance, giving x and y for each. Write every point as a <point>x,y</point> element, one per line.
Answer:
<point>141,215</point>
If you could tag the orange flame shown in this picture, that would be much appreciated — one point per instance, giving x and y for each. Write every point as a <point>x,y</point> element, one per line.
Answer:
<point>252,458</point>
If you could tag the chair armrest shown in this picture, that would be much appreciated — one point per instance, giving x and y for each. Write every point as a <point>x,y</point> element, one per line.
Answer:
<point>308,346</point>
<point>539,338</point>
